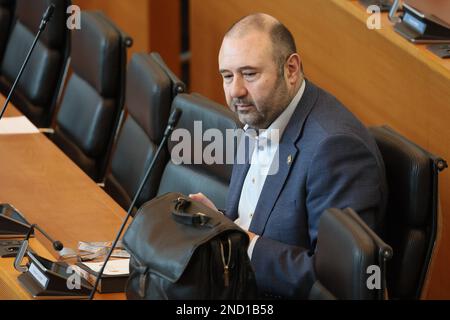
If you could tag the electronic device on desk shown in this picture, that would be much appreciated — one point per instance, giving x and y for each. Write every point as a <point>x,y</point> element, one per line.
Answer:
<point>441,50</point>
<point>45,279</point>
<point>13,224</point>
<point>384,5</point>
<point>425,21</point>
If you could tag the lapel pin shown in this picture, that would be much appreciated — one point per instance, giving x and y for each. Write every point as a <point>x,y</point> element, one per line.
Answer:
<point>289,160</point>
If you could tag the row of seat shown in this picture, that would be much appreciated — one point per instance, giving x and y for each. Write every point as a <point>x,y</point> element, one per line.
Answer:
<point>84,108</point>
<point>37,92</point>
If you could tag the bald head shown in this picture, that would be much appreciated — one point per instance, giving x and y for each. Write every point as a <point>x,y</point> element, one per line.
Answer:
<point>283,43</point>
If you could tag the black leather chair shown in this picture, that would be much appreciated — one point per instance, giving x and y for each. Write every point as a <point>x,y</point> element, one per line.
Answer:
<point>151,87</point>
<point>93,99</point>
<point>411,214</point>
<point>6,15</point>
<point>37,92</point>
<point>347,250</point>
<point>198,176</point>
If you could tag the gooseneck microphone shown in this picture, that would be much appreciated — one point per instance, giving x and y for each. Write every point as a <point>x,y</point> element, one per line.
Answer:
<point>173,120</point>
<point>45,19</point>
<point>57,245</point>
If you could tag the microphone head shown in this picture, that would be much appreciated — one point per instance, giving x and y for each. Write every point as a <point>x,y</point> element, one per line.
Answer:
<point>174,117</point>
<point>57,245</point>
<point>48,14</point>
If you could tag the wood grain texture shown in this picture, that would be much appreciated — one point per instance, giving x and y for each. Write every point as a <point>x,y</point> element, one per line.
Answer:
<point>154,25</point>
<point>50,190</point>
<point>377,74</point>
<point>131,16</point>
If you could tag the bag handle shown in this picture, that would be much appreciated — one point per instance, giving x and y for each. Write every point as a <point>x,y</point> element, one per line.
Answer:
<point>192,219</point>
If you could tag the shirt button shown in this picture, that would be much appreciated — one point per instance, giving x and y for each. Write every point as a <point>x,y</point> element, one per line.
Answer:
<point>251,215</point>
<point>253,180</point>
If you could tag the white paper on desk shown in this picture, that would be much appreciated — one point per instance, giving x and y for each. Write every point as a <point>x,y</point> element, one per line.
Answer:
<point>17,125</point>
<point>113,268</point>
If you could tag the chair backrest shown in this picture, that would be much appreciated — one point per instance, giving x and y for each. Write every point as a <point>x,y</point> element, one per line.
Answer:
<point>200,172</point>
<point>38,89</point>
<point>411,213</point>
<point>151,87</point>
<point>349,260</point>
<point>93,99</point>
<point>6,14</point>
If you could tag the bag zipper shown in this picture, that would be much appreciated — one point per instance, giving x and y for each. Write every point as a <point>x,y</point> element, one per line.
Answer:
<point>226,274</point>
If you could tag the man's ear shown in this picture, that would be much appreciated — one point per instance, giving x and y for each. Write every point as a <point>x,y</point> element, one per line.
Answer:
<point>293,68</point>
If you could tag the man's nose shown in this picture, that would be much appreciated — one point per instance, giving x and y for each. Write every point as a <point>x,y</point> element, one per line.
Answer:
<point>238,89</point>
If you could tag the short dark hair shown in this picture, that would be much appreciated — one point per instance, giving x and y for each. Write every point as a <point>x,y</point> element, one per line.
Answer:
<point>283,43</point>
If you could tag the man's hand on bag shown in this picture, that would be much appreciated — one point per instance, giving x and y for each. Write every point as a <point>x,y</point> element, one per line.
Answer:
<point>200,197</point>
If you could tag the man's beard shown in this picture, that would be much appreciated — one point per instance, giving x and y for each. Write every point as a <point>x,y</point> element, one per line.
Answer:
<point>263,114</point>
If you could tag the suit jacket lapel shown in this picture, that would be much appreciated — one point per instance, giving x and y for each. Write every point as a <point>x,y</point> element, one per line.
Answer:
<point>287,153</point>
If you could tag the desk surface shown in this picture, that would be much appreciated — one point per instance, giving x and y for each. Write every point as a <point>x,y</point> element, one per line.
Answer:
<point>50,190</point>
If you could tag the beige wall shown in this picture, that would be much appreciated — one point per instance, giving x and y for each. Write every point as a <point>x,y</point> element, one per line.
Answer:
<point>153,24</point>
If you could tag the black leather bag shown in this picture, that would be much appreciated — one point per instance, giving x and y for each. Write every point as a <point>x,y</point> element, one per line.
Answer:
<point>181,249</point>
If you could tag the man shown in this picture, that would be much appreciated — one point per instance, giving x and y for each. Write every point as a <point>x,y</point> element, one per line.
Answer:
<point>326,157</point>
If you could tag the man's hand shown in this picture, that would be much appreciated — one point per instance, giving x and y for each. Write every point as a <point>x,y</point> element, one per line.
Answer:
<point>200,197</point>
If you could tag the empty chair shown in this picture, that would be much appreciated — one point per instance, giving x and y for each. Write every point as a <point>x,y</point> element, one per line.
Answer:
<point>6,14</point>
<point>93,99</point>
<point>411,214</point>
<point>151,87</point>
<point>198,168</point>
<point>37,92</point>
<point>350,259</point>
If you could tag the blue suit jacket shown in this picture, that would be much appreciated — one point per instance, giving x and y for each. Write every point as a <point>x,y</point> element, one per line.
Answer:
<point>335,163</point>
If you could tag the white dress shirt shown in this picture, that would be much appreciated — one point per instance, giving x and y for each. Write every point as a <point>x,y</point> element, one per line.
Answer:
<point>262,164</point>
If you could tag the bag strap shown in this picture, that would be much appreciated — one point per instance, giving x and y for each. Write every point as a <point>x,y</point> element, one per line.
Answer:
<point>192,219</point>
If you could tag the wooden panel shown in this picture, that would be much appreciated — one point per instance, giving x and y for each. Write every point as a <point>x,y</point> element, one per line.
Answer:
<point>154,25</point>
<point>131,16</point>
<point>380,76</point>
<point>165,37</point>
<point>50,190</point>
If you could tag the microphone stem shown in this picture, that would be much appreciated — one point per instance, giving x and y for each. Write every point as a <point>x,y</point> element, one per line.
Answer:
<point>20,73</point>
<point>130,210</point>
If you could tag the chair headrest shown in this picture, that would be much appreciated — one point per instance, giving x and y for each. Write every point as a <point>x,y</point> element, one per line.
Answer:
<point>149,95</point>
<point>346,247</point>
<point>200,115</point>
<point>6,3</point>
<point>96,53</point>
<point>29,13</point>
<point>409,174</point>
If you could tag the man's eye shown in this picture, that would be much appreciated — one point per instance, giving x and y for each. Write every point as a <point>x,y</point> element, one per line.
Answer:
<point>249,74</point>
<point>227,77</point>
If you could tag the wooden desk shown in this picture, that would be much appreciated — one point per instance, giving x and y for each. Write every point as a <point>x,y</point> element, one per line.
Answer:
<point>50,190</point>
<point>377,74</point>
